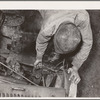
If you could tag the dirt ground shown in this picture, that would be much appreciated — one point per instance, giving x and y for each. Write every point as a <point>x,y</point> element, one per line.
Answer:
<point>90,70</point>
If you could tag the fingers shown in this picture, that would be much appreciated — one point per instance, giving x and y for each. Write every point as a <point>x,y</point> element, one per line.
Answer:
<point>74,77</point>
<point>77,80</point>
<point>38,64</point>
<point>71,76</point>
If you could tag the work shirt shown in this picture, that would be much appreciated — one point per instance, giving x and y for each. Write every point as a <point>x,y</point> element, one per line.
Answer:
<point>51,21</point>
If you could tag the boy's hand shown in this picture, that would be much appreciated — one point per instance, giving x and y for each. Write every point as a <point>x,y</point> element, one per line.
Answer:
<point>74,77</point>
<point>38,64</point>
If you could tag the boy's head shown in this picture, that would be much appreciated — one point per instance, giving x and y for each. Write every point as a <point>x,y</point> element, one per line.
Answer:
<point>67,38</point>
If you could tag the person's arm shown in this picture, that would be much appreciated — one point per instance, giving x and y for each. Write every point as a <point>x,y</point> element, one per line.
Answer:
<point>86,32</point>
<point>83,23</point>
<point>42,42</point>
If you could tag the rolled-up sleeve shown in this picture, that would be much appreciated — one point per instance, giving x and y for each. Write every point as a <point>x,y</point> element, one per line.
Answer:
<point>83,23</point>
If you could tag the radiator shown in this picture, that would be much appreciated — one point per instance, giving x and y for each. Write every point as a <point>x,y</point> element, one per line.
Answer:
<point>20,90</point>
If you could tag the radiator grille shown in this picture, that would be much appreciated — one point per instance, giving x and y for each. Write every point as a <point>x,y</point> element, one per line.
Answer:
<point>14,95</point>
<point>20,90</point>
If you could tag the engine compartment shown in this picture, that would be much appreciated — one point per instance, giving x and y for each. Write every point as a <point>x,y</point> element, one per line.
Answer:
<point>17,52</point>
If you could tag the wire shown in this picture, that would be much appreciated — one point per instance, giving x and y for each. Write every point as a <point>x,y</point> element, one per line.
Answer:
<point>19,74</point>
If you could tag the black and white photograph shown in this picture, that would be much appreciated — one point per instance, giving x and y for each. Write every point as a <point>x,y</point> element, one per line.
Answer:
<point>49,53</point>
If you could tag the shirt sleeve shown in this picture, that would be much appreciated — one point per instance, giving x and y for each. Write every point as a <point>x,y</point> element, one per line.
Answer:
<point>83,22</point>
<point>42,40</point>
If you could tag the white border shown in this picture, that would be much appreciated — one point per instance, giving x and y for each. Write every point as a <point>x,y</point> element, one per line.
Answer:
<point>31,5</point>
<point>49,5</point>
<point>38,98</point>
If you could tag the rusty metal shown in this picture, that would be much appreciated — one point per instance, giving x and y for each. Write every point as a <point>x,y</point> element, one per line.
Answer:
<point>19,74</point>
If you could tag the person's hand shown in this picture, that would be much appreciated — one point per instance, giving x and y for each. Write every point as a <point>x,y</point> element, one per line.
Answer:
<point>38,64</point>
<point>74,77</point>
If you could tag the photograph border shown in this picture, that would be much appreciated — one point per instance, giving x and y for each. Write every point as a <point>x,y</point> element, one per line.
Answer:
<point>52,4</point>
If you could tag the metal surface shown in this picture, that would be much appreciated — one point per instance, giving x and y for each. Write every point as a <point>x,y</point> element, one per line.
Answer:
<point>7,79</point>
<point>19,74</point>
<point>20,90</point>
